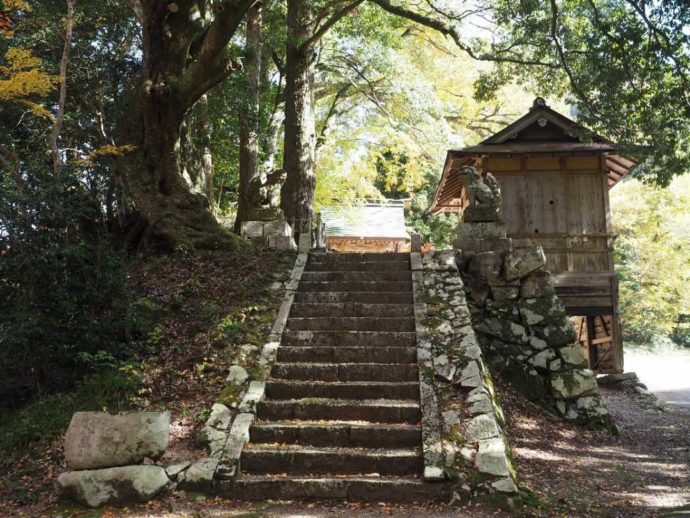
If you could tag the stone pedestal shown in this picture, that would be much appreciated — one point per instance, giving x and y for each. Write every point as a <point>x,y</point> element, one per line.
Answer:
<point>275,233</point>
<point>482,237</point>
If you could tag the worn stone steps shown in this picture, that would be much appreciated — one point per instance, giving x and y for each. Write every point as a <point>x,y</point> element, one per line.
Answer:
<point>279,389</point>
<point>345,371</point>
<point>360,266</point>
<point>342,434</point>
<point>372,410</point>
<point>366,297</point>
<point>350,309</point>
<point>357,257</point>
<point>287,354</point>
<point>350,488</point>
<point>391,324</point>
<point>259,458</point>
<point>368,286</point>
<point>349,339</point>
<point>350,276</point>
<point>341,415</point>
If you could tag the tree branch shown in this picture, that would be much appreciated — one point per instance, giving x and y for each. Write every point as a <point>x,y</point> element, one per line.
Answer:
<point>321,31</point>
<point>452,32</point>
<point>212,65</point>
<point>64,61</point>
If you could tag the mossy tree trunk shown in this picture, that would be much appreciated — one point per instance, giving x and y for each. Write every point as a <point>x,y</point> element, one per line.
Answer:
<point>185,55</point>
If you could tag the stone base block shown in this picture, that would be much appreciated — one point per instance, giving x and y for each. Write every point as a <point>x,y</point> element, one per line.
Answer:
<point>282,243</point>
<point>265,229</point>
<point>481,214</point>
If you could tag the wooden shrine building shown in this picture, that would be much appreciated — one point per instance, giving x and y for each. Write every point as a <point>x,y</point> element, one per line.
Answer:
<point>365,227</point>
<point>555,178</point>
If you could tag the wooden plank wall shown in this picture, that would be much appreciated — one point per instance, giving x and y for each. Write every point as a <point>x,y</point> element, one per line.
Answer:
<point>560,203</point>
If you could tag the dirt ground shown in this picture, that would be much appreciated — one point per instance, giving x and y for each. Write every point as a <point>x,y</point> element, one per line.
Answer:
<point>566,470</point>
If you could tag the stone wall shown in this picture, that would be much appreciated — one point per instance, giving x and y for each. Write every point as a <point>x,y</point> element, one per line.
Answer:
<point>522,325</point>
<point>474,448</point>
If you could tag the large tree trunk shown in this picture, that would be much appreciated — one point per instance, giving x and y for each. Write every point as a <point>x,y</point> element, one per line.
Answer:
<point>249,114</point>
<point>175,216</point>
<point>183,59</point>
<point>297,194</point>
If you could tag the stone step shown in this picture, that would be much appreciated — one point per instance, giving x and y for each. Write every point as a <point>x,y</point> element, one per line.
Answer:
<point>331,276</point>
<point>345,371</point>
<point>317,409</point>
<point>366,297</point>
<point>348,339</point>
<point>371,286</point>
<point>357,257</point>
<point>302,460</point>
<point>347,354</point>
<point>351,324</point>
<point>350,309</point>
<point>359,266</point>
<point>353,489</point>
<point>277,389</point>
<point>342,434</point>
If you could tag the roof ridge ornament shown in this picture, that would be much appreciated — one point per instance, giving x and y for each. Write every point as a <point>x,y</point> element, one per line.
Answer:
<point>539,102</point>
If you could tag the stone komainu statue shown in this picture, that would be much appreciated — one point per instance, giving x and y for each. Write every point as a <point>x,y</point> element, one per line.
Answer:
<point>264,189</point>
<point>483,196</point>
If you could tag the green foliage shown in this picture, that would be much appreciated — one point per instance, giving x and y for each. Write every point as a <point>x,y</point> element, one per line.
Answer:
<point>624,64</point>
<point>63,296</point>
<point>110,389</point>
<point>652,255</point>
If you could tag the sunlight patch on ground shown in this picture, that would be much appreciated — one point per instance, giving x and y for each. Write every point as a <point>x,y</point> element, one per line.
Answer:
<point>664,370</point>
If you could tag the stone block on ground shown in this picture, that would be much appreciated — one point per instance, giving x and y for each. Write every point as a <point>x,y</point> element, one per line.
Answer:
<point>199,476</point>
<point>101,440</point>
<point>237,375</point>
<point>304,243</point>
<point>282,243</point>
<point>220,417</point>
<point>113,486</point>
<point>492,457</point>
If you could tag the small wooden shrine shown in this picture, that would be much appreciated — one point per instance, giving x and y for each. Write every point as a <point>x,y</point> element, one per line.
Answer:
<point>365,227</point>
<point>554,177</point>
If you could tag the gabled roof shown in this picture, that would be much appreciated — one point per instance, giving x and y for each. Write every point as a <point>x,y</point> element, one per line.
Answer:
<point>370,221</point>
<point>541,132</point>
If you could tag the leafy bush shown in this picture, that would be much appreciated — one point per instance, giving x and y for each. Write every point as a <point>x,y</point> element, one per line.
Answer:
<point>111,389</point>
<point>63,296</point>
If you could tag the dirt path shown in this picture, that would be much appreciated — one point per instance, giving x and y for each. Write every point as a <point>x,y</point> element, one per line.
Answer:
<point>645,471</point>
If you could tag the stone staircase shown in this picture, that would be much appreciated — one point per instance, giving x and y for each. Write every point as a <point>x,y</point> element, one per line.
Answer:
<point>341,417</point>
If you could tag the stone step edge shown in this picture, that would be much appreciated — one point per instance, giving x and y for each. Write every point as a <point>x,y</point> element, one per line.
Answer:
<point>362,425</point>
<point>333,450</point>
<point>387,488</point>
<point>410,403</point>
